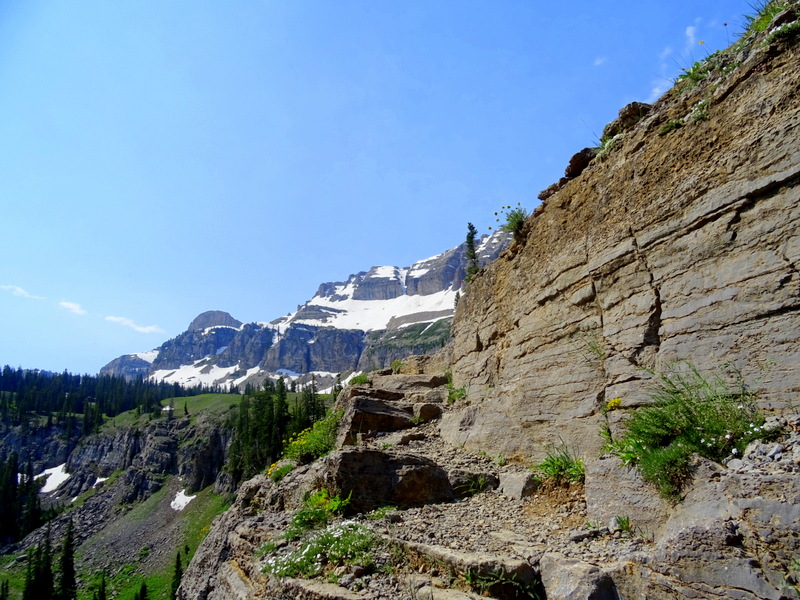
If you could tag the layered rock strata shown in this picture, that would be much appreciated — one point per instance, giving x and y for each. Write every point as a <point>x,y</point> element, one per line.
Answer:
<point>681,244</point>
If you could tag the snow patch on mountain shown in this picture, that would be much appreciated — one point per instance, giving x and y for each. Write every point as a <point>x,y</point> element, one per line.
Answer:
<point>55,477</point>
<point>372,315</point>
<point>148,356</point>
<point>198,373</point>
<point>383,273</point>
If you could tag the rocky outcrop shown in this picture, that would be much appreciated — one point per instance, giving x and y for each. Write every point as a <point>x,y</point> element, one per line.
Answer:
<point>213,318</point>
<point>680,245</point>
<point>495,530</point>
<point>193,345</point>
<point>130,366</point>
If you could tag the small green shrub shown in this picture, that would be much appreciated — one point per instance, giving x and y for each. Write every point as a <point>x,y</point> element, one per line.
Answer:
<point>561,466</point>
<point>691,413</point>
<point>765,12</point>
<point>318,510</point>
<point>787,31</point>
<point>670,126</point>
<point>381,512</point>
<point>279,473</point>
<point>499,584</point>
<point>699,112</point>
<point>500,460</point>
<point>362,379</point>
<point>514,221</point>
<point>315,441</point>
<point>607,143</point>
<point>397,366</point>
<point>623,523</point>
<point>474,484</point>
<point>454,394</point>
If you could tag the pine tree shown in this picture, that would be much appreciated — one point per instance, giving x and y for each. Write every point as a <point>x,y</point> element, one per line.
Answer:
<point>100,594</point>
<point>471,255</point>
<point>176,576</point>
<point>45,571</point>
<point>142,593</point>
<point>68,587</point>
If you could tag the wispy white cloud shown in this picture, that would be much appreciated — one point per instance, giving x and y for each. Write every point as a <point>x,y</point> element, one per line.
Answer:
<point>18,291</point>
<point>690,33</point>
<point>130,323</point>
<point>73,307</point>
<point>600,60</point>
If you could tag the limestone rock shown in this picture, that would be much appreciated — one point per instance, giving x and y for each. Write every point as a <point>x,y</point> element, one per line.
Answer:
<point>517,485</point>
<point>365,416</point>
<point>571,579</point>
<point>613,490</point>
<point>378,479</point>
<point>629,116</point>
<point>408,382</point>
<point>689,246</point>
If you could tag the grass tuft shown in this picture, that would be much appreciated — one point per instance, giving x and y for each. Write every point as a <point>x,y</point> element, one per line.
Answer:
<point>691,413</point>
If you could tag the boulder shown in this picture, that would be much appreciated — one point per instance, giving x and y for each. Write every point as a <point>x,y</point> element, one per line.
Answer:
<point>572,579</point>
<point>614,490</point>
<point>629,116</point>
<point>579,162</point>
<point>376,479</point>
<point>364,416</point>
<point>518,485</point>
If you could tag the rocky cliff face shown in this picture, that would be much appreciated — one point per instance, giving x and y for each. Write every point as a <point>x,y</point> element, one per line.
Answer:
<point>680,244</point>
<point>114,471</point>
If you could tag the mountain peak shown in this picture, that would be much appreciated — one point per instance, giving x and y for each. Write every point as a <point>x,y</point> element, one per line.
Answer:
<point>213,318</point>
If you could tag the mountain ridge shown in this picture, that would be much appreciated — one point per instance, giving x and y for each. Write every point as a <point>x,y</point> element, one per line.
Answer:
<point>347,326</point>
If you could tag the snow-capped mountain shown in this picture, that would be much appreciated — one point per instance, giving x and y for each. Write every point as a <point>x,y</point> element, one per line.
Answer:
<point>361,323</point>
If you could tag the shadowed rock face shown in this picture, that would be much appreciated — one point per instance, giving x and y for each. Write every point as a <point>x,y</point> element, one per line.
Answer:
<point>674,247</point>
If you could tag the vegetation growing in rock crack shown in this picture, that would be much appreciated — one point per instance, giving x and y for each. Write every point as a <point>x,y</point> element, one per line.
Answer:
<point>315,441</point>
<point>362,379</point>
<point>560,466</point>
<point>607,143</point>
<point>514,221</point>
<point>340,544</point>
<point>500,584</point>
<point>318,510</point>
<point>690,413</point>
<point>454,393</point>
<point>765,12</point>
<point>321,544</point>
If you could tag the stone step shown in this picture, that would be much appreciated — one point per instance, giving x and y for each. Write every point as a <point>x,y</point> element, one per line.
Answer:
<point>495,574</point>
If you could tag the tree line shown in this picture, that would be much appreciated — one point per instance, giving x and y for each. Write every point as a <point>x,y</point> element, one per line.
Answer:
<point>20,509</point>
<point>26,394</point>
<point>266,419</point>
<point>48,577</point>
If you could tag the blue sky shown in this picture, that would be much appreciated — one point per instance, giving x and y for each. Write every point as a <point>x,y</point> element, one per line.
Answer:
<point>160,159</point>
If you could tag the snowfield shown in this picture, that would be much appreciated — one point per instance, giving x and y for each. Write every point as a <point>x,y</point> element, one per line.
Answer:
<point>181,500</point>
<point>372,315</point>
<point>55,477</point>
